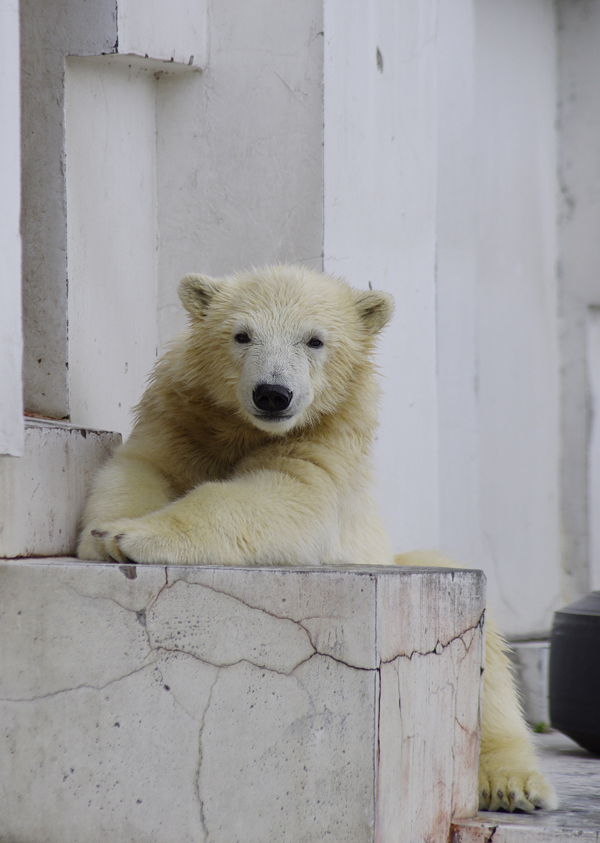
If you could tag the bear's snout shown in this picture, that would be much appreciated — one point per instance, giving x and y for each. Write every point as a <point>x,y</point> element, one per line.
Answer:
<point>272,397</point>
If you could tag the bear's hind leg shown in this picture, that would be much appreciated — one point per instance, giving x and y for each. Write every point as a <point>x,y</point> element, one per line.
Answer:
<point>510,778</point>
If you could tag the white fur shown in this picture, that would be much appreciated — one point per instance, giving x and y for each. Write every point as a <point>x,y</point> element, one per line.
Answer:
<point>207,478</point>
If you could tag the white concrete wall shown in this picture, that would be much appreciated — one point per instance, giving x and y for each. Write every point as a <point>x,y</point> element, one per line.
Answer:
<point>593,490</point>
<point>165,30</point>
<point>208,172</point>
<point>165,36</point>
<point>517,341</point>
<point>440,186</point>
<point>11,401</point>
<point>240,149</point>
<point>456,284</point>
<point>49,32</point>
<point>380,226</point>
<point>579,224</point>
<point>112,239</point>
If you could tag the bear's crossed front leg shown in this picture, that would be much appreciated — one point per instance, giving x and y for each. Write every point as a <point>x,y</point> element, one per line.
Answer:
<point>127,487</point>
<point>267,517</point>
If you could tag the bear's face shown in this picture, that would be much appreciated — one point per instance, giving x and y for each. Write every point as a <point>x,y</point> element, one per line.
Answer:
<point>281,347</point>
<point>280,366</point>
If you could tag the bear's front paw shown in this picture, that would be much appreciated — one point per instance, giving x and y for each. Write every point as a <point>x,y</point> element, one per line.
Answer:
<point>150,539</point>
<point>514,791</point>
<point>101,543</point>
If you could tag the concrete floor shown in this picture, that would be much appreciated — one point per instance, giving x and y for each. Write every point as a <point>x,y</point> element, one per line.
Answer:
<point>575,775</point>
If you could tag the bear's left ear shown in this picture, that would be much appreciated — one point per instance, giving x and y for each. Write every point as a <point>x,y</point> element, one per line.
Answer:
<point>375,310</point>
<point>196,293</point>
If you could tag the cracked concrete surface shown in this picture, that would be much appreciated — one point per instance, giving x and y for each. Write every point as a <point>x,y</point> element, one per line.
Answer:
<point>223,705</point>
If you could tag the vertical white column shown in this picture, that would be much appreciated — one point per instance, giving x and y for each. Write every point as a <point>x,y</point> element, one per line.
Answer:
<point>166,30</point>
<point>516,164</point>
<point>112,239</point>
<point>593,466</point>
<point>11,341</point>
<point>456,291</point>
<point>579,223</point>
<point>380,227</point>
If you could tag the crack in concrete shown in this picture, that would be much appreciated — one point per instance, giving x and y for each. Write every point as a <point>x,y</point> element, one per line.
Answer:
<point>246,604</point>
<point>80,687</point>
<point>153,648</point>
<point>299,623</point>
<point>200,758</point>
<point>439,646</point>
<point>157,649</point>
<point>105,597</point>
<point>438,649</point>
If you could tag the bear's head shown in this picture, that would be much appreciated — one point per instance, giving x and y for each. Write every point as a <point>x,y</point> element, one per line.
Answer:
<point>281,346</point>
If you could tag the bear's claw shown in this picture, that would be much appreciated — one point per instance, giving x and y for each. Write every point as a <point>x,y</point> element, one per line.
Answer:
<point>525,792</point>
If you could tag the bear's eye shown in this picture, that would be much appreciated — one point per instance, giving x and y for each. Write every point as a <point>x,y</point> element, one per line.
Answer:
<point>314,342</point>
<point>242,338</point>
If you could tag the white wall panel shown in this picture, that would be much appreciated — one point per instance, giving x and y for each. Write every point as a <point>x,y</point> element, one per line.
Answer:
<point>456,285</point>
<point>515,120</point>
<point>579,224</point>
<point>11,342</point>
<point>593,467</point>
<point>112,239</point>
<point>240,149</point>
<point>168,30</point>
<point>380,197</point>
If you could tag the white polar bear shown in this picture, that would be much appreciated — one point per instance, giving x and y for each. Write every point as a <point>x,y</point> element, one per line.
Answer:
<point>252,446</point>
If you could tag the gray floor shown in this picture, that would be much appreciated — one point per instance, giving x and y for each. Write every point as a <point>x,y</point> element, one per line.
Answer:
<point>576,776</point>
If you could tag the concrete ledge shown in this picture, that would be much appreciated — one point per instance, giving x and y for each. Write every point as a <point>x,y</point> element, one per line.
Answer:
<point>42,493</point>
<point>147,703</point>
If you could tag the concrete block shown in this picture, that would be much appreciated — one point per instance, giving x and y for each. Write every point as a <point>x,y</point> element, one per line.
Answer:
<point>149,703</point>
<point>42,493</point>
<point>530,661</point>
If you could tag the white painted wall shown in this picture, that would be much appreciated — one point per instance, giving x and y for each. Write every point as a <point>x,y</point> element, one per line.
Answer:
<point>160,33</point>
<point>11,401</point>
<point>240,149</point>
<point>440,186</point>
<point>380,226</point>
<point>518,362</point>
<point>172,173</point>
<point>112,239</point>
<point>439,182</point>
<point>579,224</point>
<point>593,367</point>
<point>49,32</point>
<point>456,284</point>
<point>166,30</point>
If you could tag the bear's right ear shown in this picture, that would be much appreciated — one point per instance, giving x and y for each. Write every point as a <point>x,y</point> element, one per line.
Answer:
<point>196,293</point>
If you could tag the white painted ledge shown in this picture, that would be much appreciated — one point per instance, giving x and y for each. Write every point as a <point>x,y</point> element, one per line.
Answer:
<point>43,492</point>
<point>168,30</point>
<point>144,703</point>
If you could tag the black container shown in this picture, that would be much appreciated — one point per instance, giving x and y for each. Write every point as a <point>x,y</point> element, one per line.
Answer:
<point>575,672</point>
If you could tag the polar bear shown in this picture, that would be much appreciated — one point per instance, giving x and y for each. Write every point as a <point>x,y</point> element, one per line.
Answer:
<point>252,445</point>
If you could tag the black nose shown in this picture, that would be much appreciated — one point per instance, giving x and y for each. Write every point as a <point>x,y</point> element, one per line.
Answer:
<point>272,397</point>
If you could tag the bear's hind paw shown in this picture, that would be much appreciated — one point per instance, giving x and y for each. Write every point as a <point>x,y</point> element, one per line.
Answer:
<point>516,792</point>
